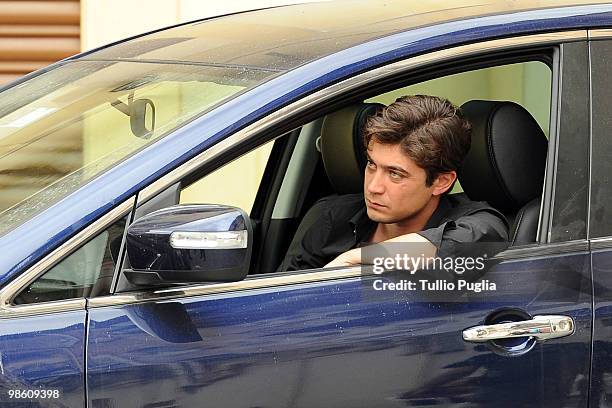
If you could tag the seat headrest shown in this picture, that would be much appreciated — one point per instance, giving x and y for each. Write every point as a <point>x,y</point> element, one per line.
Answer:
<point>342,146</point>
<point>506,161</point>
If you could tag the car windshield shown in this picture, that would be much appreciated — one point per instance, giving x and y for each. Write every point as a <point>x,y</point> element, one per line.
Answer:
<point>63,127</point>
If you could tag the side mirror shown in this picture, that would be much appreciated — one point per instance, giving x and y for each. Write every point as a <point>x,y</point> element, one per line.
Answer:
<point>189,243</point>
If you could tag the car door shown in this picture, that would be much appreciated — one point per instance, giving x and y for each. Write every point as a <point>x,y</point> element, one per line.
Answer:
<point>42,360</point>
<point>600,229</point>
<point>329,338</point>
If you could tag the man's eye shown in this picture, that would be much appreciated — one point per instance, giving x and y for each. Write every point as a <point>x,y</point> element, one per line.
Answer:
<point>370,164</point>
<point>394,175</point>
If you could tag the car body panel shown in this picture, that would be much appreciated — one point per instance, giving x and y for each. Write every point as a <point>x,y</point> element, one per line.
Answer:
<point>53,226</point>
<point>344,344</point>
<point>44,353</point>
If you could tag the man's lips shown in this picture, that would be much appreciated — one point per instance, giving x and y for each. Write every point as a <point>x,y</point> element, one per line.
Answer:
<point>374,204</point>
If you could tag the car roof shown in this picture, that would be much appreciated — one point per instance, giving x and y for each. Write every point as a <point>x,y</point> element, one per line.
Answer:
<point>282,38</point>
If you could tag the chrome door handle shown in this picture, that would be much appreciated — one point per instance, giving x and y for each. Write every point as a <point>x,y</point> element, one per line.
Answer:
<point>541,327</point>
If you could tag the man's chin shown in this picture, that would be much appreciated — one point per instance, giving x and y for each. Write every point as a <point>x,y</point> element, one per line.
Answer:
<point>376,216</point>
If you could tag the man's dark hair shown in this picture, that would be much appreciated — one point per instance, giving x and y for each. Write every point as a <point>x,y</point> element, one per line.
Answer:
<point>429,129</point>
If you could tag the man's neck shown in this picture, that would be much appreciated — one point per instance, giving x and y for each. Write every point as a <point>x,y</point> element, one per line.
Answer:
<point>413,224</point>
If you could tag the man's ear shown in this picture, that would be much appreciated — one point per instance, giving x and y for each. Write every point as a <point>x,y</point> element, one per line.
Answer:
<point>444,182</point>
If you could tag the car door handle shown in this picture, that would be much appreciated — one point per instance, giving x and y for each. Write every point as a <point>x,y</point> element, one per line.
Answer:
<point>541,327</point>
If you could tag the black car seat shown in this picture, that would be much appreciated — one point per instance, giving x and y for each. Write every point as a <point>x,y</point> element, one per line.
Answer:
<point>505,164</point>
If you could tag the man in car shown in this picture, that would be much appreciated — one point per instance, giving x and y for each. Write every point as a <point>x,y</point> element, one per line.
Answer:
<point>415,147</point>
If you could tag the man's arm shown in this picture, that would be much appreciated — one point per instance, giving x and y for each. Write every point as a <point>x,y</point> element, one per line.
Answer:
<point>354,256</point>
<point>449,239</point>
<point>458,237</point>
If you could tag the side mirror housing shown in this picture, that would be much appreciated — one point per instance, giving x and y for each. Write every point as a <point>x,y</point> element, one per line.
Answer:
<point>189,243</point>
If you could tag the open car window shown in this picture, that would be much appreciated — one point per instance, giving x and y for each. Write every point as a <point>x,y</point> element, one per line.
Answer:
<point>527,83</point>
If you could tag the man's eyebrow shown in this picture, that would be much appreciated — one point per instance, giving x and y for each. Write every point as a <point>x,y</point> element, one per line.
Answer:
<point>397,169</point>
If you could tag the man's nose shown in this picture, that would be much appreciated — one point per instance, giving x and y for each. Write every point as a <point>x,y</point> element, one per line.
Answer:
<point>375,183</point>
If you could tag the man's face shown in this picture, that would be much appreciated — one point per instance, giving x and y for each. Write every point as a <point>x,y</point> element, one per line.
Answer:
<point>394,186</point>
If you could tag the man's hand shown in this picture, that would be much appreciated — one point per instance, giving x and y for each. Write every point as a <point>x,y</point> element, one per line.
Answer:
<point>348,258</point>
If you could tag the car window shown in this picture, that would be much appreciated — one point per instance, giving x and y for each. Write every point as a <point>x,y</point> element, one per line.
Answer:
<point>61,128</point>
<point>528,84</point>
<point>234,184</point>
<point>87,272</point>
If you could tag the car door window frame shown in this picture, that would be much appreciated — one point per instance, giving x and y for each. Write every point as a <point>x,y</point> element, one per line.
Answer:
<point>229,144</point>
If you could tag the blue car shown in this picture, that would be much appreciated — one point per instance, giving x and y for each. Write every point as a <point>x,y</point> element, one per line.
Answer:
<point>151,190</point>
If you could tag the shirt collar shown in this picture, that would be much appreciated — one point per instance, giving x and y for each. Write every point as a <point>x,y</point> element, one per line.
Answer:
<point>438,215</point>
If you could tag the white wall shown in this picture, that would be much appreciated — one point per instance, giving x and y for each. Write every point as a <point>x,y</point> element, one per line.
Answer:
<point>105,21</point>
